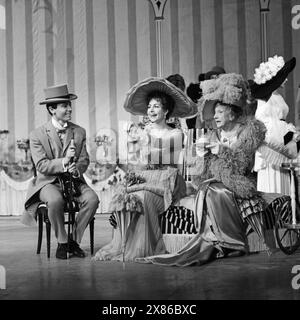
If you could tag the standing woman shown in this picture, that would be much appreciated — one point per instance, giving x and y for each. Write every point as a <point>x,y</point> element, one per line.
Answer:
<point>280,145</point>
<point>162,183</point>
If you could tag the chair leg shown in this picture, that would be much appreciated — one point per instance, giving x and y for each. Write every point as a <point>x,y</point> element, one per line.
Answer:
<point>73,226</point>
<point>92,223</point>
<point>69,233</point>
<point>48,232</point>
<point>40,231</point>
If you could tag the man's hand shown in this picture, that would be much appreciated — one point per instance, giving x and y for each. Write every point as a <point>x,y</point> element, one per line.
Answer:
<point>73,170</point>
<point>70,154</point>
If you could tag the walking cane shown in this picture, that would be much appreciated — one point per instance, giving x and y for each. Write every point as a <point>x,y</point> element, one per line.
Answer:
<point>71,211</point>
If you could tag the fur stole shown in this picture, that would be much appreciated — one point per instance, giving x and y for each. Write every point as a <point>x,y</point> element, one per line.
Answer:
<point>232,166</point>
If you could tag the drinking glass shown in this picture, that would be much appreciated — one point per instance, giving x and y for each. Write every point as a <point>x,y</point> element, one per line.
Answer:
<point>203,139</point>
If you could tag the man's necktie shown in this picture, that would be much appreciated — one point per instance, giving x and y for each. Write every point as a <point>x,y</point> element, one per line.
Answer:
<point>61,134</point>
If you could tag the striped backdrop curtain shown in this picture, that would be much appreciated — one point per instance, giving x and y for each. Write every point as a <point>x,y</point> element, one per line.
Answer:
<point>102,47</point>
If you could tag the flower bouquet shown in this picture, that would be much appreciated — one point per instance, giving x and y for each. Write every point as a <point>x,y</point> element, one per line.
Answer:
<point>124,201</point>
<point>132,178</point>
<point>23,144</point>
<point>103,140</point>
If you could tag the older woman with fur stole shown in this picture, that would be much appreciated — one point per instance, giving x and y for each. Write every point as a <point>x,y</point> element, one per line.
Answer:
<point>226,195</point>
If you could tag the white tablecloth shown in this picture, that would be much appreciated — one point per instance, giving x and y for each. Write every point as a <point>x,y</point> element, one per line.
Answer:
<point>13,194</point>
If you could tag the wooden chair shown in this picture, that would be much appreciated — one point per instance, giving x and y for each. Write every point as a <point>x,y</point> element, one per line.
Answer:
<point>42,216</point>
<point>71,208</point>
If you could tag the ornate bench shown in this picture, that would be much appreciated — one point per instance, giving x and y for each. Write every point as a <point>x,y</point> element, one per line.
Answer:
<point>177,225</point>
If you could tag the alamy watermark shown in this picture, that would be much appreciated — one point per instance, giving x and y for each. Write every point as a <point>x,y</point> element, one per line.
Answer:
<point>296,17</point>
<point>296,279</point>
<point>2,278</point>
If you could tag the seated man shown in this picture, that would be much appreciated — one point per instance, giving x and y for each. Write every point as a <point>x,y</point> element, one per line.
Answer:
<point>57,147</point>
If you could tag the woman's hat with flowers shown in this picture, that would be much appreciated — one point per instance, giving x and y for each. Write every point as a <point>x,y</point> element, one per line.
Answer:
<point>136,98</point>
<point>270,75</point>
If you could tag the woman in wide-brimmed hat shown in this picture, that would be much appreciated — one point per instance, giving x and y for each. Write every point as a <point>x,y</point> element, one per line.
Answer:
<point>280,145</point>
<point>153,186</point>
<point>226,195</point>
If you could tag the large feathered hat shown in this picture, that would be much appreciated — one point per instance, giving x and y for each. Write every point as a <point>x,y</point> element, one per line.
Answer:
<point>215,71</point>
<point>229,89</point>
<point>136,98</point>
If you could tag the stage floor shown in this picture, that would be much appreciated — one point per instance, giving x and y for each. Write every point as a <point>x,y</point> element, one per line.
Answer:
<point>32,276</point>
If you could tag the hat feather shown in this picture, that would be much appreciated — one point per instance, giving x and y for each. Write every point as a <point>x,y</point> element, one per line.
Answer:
<point>208,87</point>
<point>229,88</point>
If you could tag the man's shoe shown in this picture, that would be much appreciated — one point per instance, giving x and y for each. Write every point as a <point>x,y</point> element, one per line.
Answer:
<point>75,249</point>
<point>61,251</point>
